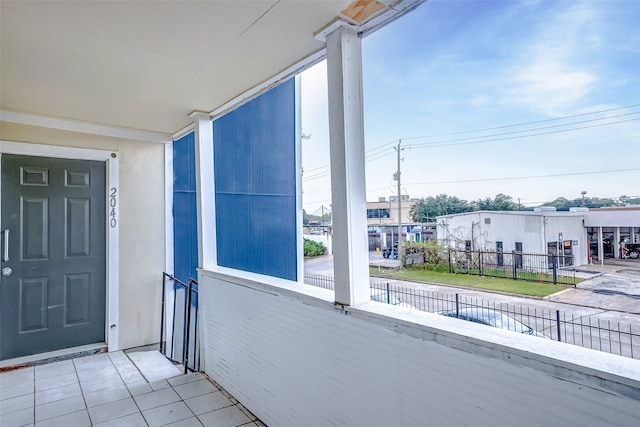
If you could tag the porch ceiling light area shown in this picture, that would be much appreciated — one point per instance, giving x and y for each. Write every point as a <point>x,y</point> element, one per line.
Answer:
<point>360,11</point>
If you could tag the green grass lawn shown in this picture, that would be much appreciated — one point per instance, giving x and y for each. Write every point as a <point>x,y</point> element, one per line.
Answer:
<point>520,287</point>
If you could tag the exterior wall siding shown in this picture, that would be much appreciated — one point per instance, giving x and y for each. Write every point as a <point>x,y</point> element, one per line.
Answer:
<point>296,360</point>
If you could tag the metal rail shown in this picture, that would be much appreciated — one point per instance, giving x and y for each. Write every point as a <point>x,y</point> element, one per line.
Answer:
<point>182,346</point>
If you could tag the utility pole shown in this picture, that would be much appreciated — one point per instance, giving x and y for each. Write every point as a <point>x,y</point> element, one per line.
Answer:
<point>398,149</point>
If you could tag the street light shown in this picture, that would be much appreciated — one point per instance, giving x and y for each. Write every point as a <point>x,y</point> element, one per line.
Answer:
<point>583,193</point>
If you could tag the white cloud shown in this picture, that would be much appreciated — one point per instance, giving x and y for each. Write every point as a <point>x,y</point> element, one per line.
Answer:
<point>554,75</point>
<point>549,85</point>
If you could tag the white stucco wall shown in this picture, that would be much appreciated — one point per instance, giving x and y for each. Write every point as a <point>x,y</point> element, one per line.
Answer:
<point>141,224</point>
<point>325,239</point>
<point>294,359</point>
<point>142,242</point>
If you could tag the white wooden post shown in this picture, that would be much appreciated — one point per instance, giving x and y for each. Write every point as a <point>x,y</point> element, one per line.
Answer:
<point>205,190</point>
<point>348,194</point>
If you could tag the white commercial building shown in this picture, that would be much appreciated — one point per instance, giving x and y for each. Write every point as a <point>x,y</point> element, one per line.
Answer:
<point>581,232</point>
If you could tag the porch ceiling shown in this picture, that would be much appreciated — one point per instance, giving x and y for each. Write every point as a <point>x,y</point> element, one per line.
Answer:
<point>147,64</point>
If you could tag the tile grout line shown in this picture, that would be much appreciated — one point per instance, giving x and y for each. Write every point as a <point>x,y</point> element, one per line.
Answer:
<point>134,364</point>
<point>34,395</point>
<point>183,401</point>
<point>86,408</point>
<point>126,387</point>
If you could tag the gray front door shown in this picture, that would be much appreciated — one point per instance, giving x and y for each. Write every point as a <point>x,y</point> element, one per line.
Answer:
<point>53,284</point>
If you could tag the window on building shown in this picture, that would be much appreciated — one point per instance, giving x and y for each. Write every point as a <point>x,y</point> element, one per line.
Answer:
<point>518,259</point>
<point>378,213</point>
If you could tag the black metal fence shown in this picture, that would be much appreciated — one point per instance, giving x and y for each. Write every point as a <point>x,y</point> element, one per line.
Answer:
<point>179,322</point>
<point>584,331</point>
<point>513,265</point>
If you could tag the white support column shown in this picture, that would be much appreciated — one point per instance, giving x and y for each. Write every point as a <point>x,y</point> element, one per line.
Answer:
<point>205,190</point>
<point>600,246</point>
<point>168,208</point>
<point>348,193</point>
<point>300,237</point>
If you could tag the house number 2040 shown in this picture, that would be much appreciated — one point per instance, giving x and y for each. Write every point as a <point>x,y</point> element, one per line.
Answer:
<point>113,203</point>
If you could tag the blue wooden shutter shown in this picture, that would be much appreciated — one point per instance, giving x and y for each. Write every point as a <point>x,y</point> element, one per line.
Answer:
<point>185,226</point>
<point>255,191</point>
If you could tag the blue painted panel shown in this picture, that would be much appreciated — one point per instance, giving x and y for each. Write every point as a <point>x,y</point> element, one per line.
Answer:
<point>242,145</point>
<point>258,150</point>
<point>223,134</point>
<point>185,226</point>
<point>184,162</point>
<point>255,163</point>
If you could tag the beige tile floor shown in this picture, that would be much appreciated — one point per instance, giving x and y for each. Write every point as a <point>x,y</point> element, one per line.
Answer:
<point>116,389</point>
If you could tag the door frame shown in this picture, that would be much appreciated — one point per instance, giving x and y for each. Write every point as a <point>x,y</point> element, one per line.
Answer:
<point>112,224</point>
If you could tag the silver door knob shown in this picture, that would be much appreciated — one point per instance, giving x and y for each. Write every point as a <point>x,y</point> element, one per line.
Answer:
<point>7,271</point>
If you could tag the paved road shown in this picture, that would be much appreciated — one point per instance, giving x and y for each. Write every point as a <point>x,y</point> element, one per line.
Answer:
<point>614,286</point>
<point>609,295</point>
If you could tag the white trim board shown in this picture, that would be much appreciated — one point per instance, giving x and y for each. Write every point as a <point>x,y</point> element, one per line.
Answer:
<point>256,91</point>
<point>113,235</point>
<point>84,127</point>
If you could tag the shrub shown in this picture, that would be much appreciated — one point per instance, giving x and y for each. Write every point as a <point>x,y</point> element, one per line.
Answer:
<point>313,248</point>
<point>429,250</point>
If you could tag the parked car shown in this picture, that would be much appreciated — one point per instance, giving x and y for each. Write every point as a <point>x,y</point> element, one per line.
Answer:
<point>388,298</point>
<point>493,318</point>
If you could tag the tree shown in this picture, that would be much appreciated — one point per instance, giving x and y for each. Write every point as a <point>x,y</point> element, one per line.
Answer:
<point>628,201</point>
<point>500,203</point>
<point>563,204</point>
<point>426,209</point>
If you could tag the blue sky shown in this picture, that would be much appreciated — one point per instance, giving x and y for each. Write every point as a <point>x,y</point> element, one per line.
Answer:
<point>532,99</point>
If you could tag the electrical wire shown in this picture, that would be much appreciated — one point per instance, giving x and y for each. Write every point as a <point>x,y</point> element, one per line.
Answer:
<point>513,178</point>
<point>377,153</point>
<point>453,142</point>
<point>512,125</point>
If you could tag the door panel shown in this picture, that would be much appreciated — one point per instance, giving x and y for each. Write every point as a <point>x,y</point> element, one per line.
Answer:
<point>55,296</point>
<point>33,304</point>
<point>34,228</point>
<point>77,298</point>
<point>78,233</point>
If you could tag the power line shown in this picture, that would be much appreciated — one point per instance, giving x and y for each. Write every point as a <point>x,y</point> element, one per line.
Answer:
<point>513,125</point>
<point>523,177</point>
<point>377,153</point>
<point>527,123</point>
<point>445,142</point>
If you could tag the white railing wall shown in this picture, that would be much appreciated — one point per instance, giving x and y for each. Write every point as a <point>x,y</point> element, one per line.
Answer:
<point>295,359</point>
